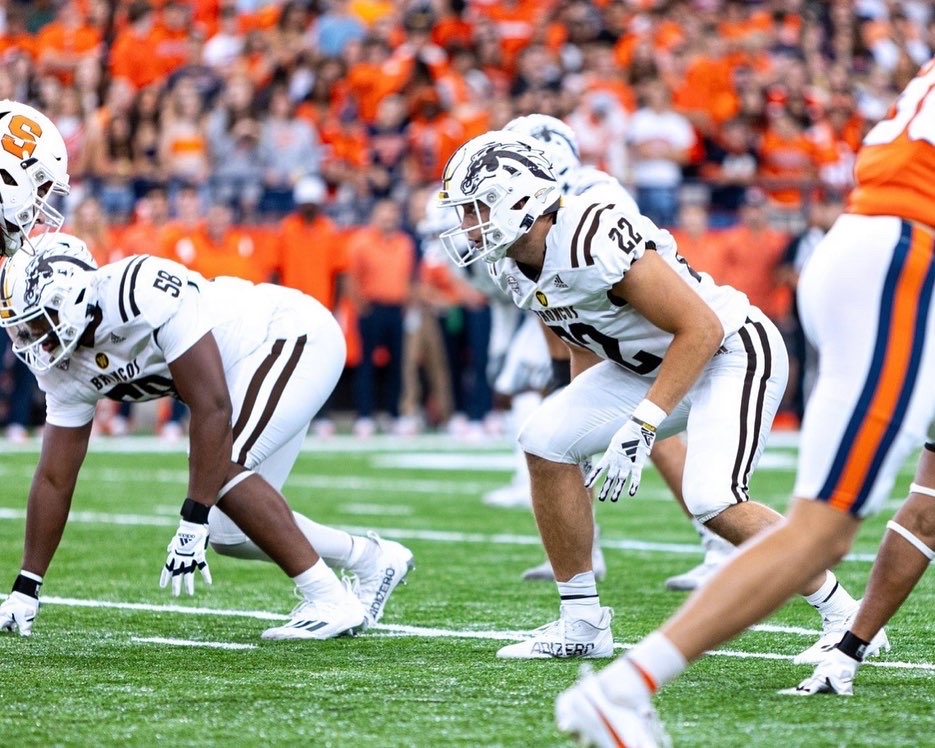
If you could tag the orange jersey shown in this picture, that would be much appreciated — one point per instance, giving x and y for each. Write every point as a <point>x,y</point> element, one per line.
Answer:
<point>310,256</point>
<point>381,266</point>
<point>895,170</point>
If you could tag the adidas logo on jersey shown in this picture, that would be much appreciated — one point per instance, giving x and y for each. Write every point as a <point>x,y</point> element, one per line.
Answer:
<point>115,339</point>
<point>559,283</point>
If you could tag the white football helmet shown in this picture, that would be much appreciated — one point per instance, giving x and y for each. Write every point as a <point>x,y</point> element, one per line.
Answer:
<point>33,168</point>
<point>506,182</point>
<point>556,138</point>
<point>47,299</point>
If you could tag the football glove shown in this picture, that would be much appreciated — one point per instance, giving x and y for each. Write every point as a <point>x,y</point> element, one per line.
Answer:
<point>19,610</point>
<point>186,553</point>
<point>627,452</point>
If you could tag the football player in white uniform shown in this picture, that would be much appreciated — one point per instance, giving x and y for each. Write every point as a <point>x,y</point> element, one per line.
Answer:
<point>560,146</point>
<point>254,363</point>
<point>865,297</point>
<point>661,348</point>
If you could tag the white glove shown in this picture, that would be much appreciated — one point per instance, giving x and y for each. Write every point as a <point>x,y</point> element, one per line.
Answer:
<point>186,553</point>
<point>627,452</point>
<point>20,609</point>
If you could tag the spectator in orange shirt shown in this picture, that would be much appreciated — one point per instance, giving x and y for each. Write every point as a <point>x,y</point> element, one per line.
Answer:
<point>310,249</point>
<point>752,254</point>
<point>433,136</point>
<point>131,56</point>
<point>219,248</point>
<point>788,159</point>
<point>144,235</point>
<point>171,36</point>
<point>697,243</point>
<point>381,260</point>
<point>62,44</point>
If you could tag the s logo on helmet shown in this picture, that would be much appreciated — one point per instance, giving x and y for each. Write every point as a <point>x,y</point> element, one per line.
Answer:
<point>22,137</point>
<point>487,161</point>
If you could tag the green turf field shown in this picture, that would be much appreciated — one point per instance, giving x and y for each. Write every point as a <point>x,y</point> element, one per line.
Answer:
<point>114,660</point>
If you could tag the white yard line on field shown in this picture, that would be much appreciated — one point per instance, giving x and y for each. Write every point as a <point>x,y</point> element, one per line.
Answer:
<point>381,484</point>
<point>400,533</point>
<point>189,643</point>
<point>422,631</point>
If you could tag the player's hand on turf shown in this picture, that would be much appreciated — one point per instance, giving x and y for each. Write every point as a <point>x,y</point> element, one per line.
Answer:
<point>627,452</point>
<point>186,553</point>
<point>20,609</point>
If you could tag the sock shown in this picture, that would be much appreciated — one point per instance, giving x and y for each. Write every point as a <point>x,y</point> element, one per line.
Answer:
<point>579,597</point>
<point>318,581</point>
<point>643,670</point>
<point>831,600</point>
<point>334,546</point>
<point>853,646</point>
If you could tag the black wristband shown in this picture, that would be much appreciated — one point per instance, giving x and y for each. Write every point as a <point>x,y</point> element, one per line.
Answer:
<point>192,511</point>
<point>561,373</point>
<point>27,586</point>
<point>853,646</point>
<point>930,446</point>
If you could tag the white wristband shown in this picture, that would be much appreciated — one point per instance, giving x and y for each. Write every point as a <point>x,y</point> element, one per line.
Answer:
<point>649,413</point>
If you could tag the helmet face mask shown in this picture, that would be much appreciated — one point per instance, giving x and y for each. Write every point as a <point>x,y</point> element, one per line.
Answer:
<point>500,184</point>
<point>33,171</point>
<point>46,302</point>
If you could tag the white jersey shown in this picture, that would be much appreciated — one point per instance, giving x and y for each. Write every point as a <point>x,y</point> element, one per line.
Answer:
<point>590,248</point>
<point>154,310</point>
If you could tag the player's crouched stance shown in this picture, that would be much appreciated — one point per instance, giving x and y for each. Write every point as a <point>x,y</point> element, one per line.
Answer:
<point>254,363</point>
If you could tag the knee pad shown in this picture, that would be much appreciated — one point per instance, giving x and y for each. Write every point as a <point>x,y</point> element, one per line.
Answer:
<point>706,506</point>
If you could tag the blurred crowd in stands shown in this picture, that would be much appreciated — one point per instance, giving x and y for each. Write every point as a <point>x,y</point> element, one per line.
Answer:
<point>300,142</point>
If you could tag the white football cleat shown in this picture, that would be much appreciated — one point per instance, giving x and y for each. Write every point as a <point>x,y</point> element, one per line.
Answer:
<point>696,576</point>
<point>585,712</point>
<point>322,619</point>
<point>717,551</point>
<point>376,580</point>
<point>834,674</point>
<point>832,629</point>
<point>565,638</point>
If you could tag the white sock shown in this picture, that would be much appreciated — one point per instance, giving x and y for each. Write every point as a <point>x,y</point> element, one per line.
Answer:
<point>831,599</point>
<point>644,669</point>
<point>318,581</point>
<point>579,597</point>
<point>336,547</point>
